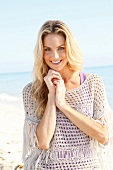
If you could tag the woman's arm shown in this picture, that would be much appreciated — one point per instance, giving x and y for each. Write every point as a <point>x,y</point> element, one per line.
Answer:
<point>88,126</point>
<point>46,127</point>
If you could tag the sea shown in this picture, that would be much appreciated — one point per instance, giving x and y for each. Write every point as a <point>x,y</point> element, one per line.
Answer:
<point>12,84</point>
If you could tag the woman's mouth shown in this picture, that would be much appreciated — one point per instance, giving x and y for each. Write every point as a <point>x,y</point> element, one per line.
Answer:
<point>56,62</point>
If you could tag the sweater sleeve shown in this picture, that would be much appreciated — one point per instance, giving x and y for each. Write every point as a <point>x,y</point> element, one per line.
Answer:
<point>30,123</point>
<point>104,115</point>
<point>100,109</point>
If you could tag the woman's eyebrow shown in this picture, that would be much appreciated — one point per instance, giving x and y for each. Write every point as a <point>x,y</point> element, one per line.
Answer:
<point>61,45</point>
<point>47,46</point>
<point>57,47</point>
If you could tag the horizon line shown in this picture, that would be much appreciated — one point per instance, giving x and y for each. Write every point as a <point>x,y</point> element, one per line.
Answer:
<point>85,67</point>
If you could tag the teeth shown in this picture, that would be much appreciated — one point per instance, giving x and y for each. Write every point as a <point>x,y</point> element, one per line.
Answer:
<point>55,61</point>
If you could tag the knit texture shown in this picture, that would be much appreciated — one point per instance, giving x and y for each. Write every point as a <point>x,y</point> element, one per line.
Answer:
<point>70,148</point>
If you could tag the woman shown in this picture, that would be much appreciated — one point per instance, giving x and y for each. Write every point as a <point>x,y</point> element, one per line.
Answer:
<point>66,110</point>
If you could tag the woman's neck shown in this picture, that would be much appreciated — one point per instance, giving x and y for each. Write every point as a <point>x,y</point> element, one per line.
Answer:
<point>68,75</point>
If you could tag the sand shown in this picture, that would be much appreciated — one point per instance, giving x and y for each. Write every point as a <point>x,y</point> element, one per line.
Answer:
<point>11,132</point>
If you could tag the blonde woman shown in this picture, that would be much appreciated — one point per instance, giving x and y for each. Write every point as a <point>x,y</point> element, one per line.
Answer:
<point>65,109</point>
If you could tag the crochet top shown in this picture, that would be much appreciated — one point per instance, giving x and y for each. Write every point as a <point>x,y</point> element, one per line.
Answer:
<point>70,148</point>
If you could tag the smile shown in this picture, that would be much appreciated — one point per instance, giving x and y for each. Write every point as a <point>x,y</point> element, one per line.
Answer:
<point>56,62</point>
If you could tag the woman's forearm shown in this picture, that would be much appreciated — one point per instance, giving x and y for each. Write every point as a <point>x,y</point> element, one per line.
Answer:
<point>46,127</point>
<point>87,125</point>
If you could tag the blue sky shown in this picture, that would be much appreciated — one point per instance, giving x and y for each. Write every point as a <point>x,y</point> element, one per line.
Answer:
<point>90,21</point>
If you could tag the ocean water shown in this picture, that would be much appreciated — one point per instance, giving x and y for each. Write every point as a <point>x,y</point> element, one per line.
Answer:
<point>11,84</point>
<point>106,72</point>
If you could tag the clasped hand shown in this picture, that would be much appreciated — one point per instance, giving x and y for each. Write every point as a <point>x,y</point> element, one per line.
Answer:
<point>56,86</point>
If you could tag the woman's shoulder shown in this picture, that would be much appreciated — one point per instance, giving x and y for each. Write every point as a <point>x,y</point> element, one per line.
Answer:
<point>27,92</point>
<point>95,80</point>
<point>27,88</point>
<point>94,77</point>
<point>27,95</point>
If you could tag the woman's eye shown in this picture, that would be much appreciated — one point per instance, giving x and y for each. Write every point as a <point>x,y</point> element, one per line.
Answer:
<point>61,48</point>
<point>47,49</point>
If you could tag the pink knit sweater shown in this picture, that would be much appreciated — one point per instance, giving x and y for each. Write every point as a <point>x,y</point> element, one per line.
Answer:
<point>70,148</point>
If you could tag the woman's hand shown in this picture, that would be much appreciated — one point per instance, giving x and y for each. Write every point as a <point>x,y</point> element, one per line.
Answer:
<point>56,86</point>
<point>50,78</point>
<point>60,91</point>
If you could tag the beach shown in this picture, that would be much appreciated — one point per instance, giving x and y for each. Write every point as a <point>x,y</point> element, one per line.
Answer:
<point>11,128</point>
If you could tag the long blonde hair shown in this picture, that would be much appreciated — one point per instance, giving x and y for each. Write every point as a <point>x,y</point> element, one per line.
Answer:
<point>40,70</point>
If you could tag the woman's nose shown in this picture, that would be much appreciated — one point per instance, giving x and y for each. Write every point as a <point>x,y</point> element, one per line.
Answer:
<point>55,54</point>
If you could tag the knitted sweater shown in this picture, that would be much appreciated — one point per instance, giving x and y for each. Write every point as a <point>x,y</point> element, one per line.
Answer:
<point>70,148</point>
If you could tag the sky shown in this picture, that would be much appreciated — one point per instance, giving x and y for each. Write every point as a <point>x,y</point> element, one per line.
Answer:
<point>90,21</point>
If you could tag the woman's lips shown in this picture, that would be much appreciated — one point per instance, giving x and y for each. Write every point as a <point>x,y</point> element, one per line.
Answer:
<point>56,62</point>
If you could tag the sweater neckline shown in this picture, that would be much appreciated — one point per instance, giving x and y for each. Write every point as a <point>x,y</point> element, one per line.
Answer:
<point>80,86</point>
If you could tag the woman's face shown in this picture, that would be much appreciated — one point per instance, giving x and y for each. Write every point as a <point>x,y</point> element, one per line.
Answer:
<point>55,52</point>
